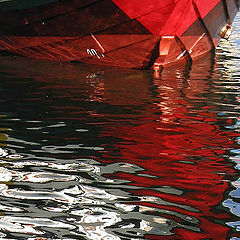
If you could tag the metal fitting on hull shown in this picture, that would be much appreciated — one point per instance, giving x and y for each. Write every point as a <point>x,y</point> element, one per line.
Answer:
<point>226,31</point>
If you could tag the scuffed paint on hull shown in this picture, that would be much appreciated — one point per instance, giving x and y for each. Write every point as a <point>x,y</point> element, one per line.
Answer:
<point>133,34</point>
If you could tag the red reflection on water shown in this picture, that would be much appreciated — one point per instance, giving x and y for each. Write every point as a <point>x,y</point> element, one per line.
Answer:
<point>178,140</point>
<point>167,126</point>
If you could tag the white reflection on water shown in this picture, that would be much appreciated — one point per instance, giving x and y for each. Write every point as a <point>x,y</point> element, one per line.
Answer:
<point>72,167</point>
<point>44,177</point>
<point>3,152</point>
<point>233,201</point>
<point>66,148</point>
<point>36,195</point>
<point>89,211</point>
<point>26,225</point>
<point>95,220</point>
<point>87,206</point>
<point>35,177</point>
<point>230,88</point>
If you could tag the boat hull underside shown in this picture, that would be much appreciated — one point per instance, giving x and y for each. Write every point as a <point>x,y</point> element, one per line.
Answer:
<point>129,44</point>
<point>133,51</point>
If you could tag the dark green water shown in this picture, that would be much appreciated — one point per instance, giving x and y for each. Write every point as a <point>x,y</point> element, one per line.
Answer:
<point>113,154</point>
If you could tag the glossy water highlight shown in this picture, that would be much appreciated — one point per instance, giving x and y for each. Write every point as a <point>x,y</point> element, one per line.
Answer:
<point>96,153</point>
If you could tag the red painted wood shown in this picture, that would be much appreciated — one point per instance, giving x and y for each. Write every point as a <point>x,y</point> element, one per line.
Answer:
<point>170,13</point>
<point>123,33</point>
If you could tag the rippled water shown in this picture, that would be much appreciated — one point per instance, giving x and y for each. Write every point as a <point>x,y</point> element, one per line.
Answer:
<point>114,154</point>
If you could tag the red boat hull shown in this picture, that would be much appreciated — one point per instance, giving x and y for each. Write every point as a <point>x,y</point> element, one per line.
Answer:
<point>126,33</point>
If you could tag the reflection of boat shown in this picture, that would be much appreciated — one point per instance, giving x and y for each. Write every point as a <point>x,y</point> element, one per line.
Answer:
<point>165,147</point>
<point>133,33</point>
<point>168,142</point>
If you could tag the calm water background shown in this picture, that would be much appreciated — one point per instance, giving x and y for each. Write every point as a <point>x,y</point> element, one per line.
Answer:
<point>110,154</point>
